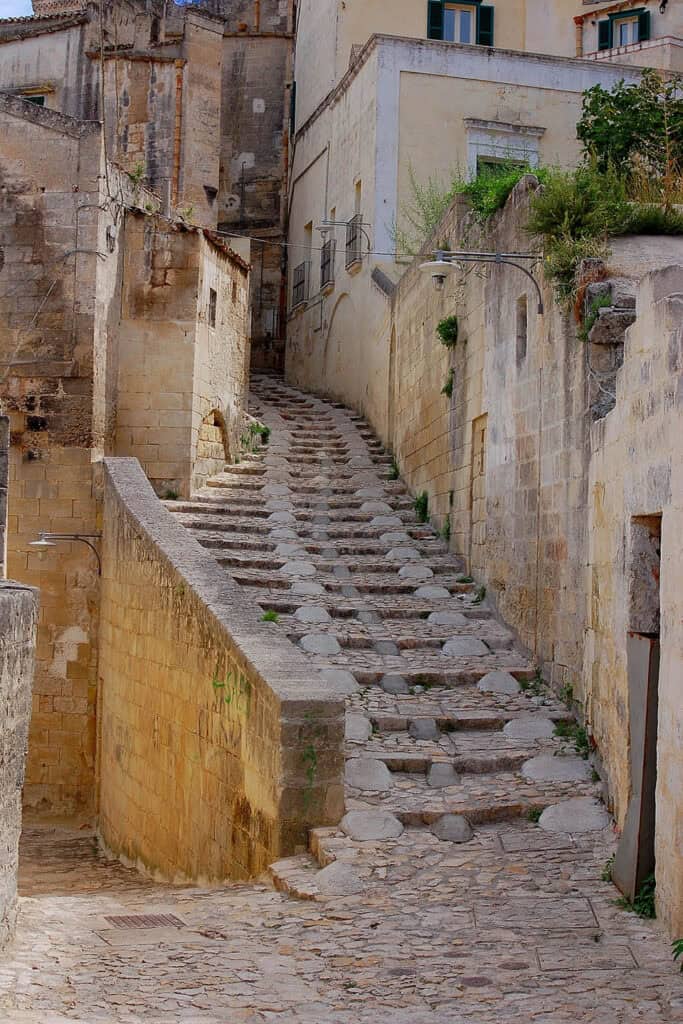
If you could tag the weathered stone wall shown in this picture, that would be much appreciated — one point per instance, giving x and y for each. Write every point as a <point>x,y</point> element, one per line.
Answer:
<point>141,101</point>
<point>50,168</point>
<point>636,471</point>
<point>4,479</point>
<point>196,107</point>
<point>539,495</point>
<point>174,368</point>
<point>18,614</point>
<point>210,725</point>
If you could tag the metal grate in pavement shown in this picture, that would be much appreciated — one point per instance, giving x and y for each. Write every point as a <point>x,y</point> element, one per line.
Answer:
<point>146,921</point>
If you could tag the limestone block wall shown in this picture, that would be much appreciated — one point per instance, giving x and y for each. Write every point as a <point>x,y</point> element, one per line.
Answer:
<point>18,618</point>
<point>141,99</point>
<point>199,180</point>
<point>209,724</point>
<point>636,471</point>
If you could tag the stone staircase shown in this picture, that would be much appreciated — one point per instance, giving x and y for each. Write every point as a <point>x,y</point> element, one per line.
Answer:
<point>449,733</point>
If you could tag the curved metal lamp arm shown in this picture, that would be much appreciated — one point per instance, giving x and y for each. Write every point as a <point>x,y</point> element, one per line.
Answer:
<point>539,293</point>
<point>84,538</point>
<point>511,259</point>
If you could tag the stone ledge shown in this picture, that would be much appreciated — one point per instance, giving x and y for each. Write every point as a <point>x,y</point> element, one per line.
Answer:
<point>221,746</point>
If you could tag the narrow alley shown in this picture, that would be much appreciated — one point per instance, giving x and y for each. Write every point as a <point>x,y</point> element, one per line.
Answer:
<point>467,883</point>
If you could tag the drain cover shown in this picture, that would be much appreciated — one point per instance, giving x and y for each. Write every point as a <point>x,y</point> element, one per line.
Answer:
<point>146,921</point>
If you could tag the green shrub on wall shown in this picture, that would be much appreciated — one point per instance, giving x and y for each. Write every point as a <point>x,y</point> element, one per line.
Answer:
<point>448,330</point>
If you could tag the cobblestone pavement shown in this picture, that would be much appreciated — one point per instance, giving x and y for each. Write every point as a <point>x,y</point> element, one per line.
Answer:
<point>463,886</point>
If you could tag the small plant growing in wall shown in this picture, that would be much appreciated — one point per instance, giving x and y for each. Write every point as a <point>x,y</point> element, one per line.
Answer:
<point>394,472</point>
<point>270,616</point>
<point>261,431</point>
<point>447,389</point>
<point>606,873</point>
<point>137,175</point>
<point>593,314</point>
<point>577,735</point>
<point>677,947</point>
<point>446,530</point>
<point>643,903</point>
<point>448,331</point>
<point>422,507</point>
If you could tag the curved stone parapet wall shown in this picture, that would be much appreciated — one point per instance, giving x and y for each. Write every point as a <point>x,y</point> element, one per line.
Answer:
<point>207,720</point>
<point>18,618</point>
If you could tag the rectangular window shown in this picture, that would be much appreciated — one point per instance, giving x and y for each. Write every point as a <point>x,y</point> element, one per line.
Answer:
<point>466,22</point>
<point>458,24</point>
<point>213,303</point>
<point>498,164</point>
<point>626,31</point>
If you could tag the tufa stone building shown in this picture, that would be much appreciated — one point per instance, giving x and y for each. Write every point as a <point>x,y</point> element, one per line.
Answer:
<point>125,331</point>
<point>193,100</point>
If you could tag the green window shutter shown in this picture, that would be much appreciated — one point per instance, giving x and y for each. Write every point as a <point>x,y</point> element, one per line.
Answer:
<point>604,35</point>
<point>644,21</point>
<point>485,25</point>
<point>435,19</point>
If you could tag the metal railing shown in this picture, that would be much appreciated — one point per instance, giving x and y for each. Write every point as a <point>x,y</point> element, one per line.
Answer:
<point>301,280</point>
<point>354,240</point>
<point>327,255</point>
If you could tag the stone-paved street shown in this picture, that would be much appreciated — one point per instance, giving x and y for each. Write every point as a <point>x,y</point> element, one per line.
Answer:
<point>464,886</point>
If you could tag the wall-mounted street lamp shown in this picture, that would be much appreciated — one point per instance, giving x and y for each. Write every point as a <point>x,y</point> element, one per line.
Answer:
<point>50,540</point>
<point>445,263</point>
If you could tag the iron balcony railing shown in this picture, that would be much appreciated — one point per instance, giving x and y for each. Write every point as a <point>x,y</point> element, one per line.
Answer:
<point>327,255</point>
<point>354,240</point>
<point>301,280</point>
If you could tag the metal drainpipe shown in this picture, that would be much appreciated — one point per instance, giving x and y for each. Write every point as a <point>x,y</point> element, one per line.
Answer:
<point>178,131</point>
<point>257,15</point>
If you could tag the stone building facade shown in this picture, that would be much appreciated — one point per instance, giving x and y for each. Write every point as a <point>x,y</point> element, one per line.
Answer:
<point>89,262</point>
<point>194,102</point>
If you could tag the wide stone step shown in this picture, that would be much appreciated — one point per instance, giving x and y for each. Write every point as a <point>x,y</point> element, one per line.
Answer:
<point>478,797</point>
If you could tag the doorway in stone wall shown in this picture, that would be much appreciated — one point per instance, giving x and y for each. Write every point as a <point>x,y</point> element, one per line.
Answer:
<point>634,863</point>
<point>391,401</point>
<point>478,494</point>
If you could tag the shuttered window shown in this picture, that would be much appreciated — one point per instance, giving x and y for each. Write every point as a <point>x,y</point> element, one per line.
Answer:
<point>466,22</point>
<point>623,29</point>
<point>485,25</point>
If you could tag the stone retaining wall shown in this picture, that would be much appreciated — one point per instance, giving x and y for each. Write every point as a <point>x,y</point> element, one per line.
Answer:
<point>18,617</point>
<point>220,748</point>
